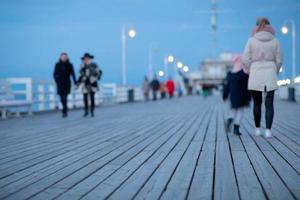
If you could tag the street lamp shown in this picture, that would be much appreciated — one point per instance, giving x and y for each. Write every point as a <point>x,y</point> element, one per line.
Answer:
<point>161,73</point>
<point>179,65</point>
<point>152,49</point>
<point>285,30</point>
<point>167,60</point>
<point>131,33</point>
<point>185,68</point>
<point>170,59</point>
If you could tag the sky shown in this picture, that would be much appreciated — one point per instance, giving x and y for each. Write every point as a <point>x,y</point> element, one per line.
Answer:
<point>33,33</point>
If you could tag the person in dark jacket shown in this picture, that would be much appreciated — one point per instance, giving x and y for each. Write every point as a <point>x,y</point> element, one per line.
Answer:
<point>155,87</point>
<point>235,88</point>
<point>62,72</point>
<point>89,75</point>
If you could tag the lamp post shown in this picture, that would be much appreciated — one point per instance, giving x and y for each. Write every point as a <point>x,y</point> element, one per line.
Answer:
<point>167,60</point>
<point>131,33</point>
<point>152,49</point>
<point>285,30</point>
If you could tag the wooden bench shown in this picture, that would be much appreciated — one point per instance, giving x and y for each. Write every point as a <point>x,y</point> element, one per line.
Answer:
<point>6,105</point>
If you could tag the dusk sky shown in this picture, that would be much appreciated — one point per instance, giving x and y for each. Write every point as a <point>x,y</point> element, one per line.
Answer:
<point>35,32</point>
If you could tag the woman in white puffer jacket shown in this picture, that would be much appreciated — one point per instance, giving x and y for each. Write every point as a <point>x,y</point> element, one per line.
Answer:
<point>263,58</point>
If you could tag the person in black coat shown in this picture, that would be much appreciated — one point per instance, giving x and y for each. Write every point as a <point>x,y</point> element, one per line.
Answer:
<point>62,73</point>
<point>155,87</point>
<point>235,88</point>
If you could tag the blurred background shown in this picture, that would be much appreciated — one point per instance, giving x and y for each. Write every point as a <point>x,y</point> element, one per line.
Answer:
<point>34,33</point>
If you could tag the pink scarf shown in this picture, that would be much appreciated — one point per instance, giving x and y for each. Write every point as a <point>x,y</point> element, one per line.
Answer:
<point>267,28</point>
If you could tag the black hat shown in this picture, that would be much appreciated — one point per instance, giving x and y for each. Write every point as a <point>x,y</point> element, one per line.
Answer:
<point>87,55</point>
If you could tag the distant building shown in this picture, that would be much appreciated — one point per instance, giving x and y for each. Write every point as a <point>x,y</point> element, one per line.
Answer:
<point>212,71</point>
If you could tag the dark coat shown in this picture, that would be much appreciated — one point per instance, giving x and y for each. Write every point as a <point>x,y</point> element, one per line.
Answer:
<point>235,87</point>
<point>62,73</point>
<point>155,84</point>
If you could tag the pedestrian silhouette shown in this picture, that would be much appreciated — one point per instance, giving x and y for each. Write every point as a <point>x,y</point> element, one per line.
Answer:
<point>235,87</point>
<point>89,75</point>
<point>162,90</point>
<point>170,87</point>
<point>146,88</point>
<point>155,87</point>
<point>263,58</point>
<point>62,73</point>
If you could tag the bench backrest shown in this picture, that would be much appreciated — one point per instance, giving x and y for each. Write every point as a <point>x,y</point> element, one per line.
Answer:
<point>7,92</point>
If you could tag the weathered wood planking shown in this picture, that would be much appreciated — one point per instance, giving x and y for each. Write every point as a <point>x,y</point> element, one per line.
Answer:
<point>170,149</point>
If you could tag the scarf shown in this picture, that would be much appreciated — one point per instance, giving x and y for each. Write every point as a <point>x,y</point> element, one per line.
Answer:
<point>266,28</point>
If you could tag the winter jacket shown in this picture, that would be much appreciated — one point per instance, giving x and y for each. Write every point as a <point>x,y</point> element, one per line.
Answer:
<point>62,73</point>
<point>170,86</point>
<point>263,57</point>
<point>235,86</point>
<point>155,85</point>
<point>89,75</point>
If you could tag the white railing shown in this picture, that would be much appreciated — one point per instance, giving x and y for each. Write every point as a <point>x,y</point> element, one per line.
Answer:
<point>283,93</point>
<point>42,94</point>
<point>15,94</point>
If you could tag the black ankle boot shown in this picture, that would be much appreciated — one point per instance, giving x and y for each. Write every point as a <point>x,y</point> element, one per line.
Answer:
<point>92,113</point>
<point>236,130</point>
<point>228,125</point>
<point>86,113</point>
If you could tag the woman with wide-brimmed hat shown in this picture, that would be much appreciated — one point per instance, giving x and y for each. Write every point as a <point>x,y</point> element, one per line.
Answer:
<point>89,75</point>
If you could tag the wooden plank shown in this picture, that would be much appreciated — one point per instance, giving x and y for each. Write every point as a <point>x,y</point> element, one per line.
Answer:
<point>202,184</point>
<point>158,182</point>
<point>105,156</point>
<point>248,184</point>
<point>225,181</point>
<point>90,179</point>
<point>272,184</point>
<point>45,175</point>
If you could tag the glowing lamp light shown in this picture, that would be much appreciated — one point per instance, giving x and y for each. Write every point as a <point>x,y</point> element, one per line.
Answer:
<point>132,33</point>
<point>171,59</point>
<point>185,68</point>
<point>161,73</point>
<point>284,29</point>
<point>179,65</point>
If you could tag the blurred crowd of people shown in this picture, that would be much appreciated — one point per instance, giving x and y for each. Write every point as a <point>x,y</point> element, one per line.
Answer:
<point>156,87</point>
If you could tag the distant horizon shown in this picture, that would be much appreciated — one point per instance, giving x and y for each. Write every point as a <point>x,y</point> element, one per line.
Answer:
<point>34,33</point>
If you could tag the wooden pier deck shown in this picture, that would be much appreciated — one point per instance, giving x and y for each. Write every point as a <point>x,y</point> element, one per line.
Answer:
<point>170,149</point>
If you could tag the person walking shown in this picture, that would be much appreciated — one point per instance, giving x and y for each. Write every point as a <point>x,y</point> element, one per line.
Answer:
<point>155,87</point>
<point>162,90</point>
<point>146,88</point>
<point>170,87</point>
<point>62,72</point>
<point>263,57</point>
<point>89,75</point>
<point>235,87</point>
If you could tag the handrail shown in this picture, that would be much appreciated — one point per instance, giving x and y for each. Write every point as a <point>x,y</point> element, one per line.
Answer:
<point>42,94</point>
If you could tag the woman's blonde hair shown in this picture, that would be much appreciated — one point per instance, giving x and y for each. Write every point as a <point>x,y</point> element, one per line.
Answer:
<point>261,22</point>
